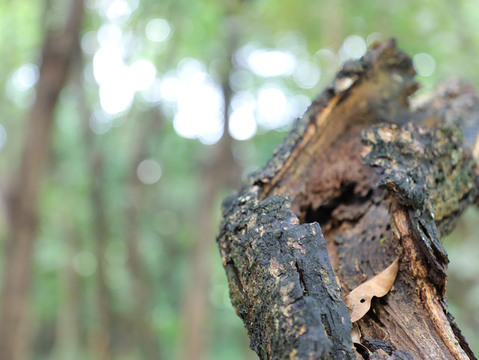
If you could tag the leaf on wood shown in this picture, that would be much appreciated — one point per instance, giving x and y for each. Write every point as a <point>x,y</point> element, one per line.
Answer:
<point>359,300</point>
<point>358,347</point>
<point>356,334</point>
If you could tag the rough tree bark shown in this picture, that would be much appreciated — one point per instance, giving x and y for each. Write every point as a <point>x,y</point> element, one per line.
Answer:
<point>380,176</point>
<point>57,57</point>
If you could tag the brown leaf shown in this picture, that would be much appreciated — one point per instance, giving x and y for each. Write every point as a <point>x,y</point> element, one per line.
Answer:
<point>356,334</point>
<point>359,300</point>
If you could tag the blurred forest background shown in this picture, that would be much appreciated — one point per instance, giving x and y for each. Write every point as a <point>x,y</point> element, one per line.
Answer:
<point>124,123</point>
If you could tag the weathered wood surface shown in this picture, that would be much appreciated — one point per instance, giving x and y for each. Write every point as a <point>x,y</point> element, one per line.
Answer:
<point>382,178</point>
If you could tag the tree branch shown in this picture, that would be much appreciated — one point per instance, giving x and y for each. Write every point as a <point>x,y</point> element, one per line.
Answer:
<point>383,179</point>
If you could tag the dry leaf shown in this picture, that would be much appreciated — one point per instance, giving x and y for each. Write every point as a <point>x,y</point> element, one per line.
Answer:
<point>359,300</point>
<point>356,337</point>
<point>356,334</point>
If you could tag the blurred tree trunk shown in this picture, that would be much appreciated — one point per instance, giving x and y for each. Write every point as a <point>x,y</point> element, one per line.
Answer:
<point>99,333</point>
<point>220,171</point>
<point>385,180</point>
<point>100,336</point>
<point>68,342</point>
<point>56,60</point>
<point>67,338</point>
<point>140,320</point>
<point>195,310</point>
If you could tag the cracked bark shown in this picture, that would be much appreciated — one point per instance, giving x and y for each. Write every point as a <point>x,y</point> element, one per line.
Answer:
<point>380,176</point>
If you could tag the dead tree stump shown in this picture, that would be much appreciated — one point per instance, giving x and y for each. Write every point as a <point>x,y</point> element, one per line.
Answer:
<point>365,176</point>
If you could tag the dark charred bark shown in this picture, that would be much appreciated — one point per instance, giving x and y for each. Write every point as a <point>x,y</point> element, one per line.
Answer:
<point>382,178</point>
<point>57,57</point>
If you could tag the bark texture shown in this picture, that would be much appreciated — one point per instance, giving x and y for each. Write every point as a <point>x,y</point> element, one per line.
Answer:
<point>384,177</point>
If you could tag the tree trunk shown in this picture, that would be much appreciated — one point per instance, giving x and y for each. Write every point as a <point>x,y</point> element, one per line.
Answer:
<point>219,172</point>
<point>384,179</point>
<point>67,335</point>
<point>141,283</point>
<point>56,61</point>
<point>100,335</point>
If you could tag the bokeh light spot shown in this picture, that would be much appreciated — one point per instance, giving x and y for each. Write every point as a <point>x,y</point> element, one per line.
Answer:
<point>199,101</point>
<point>116,97</point>
<point>272,107</point>
<point>153,92</point>
<point>84,263</point>
<point>149,171</point>
<point>89,42</point>
<point>109,34</point>
<point>141,74</point>
<point>299,104</point>
<point>108,64</point>
<point>242,124</point>
<point>25,77</point>
<point>100,124</point>
<point>328,61</point>
<point>119,9</point>
<point>21,98</point>
<point>170,88</point>
<point>424,64</point>
<point>307,74</point>
<point>267,63</point>
<point>354,47</point>
<point>241,79</point>
<point>157,30</point>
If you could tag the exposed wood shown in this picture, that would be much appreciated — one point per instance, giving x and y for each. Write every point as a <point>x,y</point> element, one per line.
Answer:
<point>383,179</point>
<point>57,57</point>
